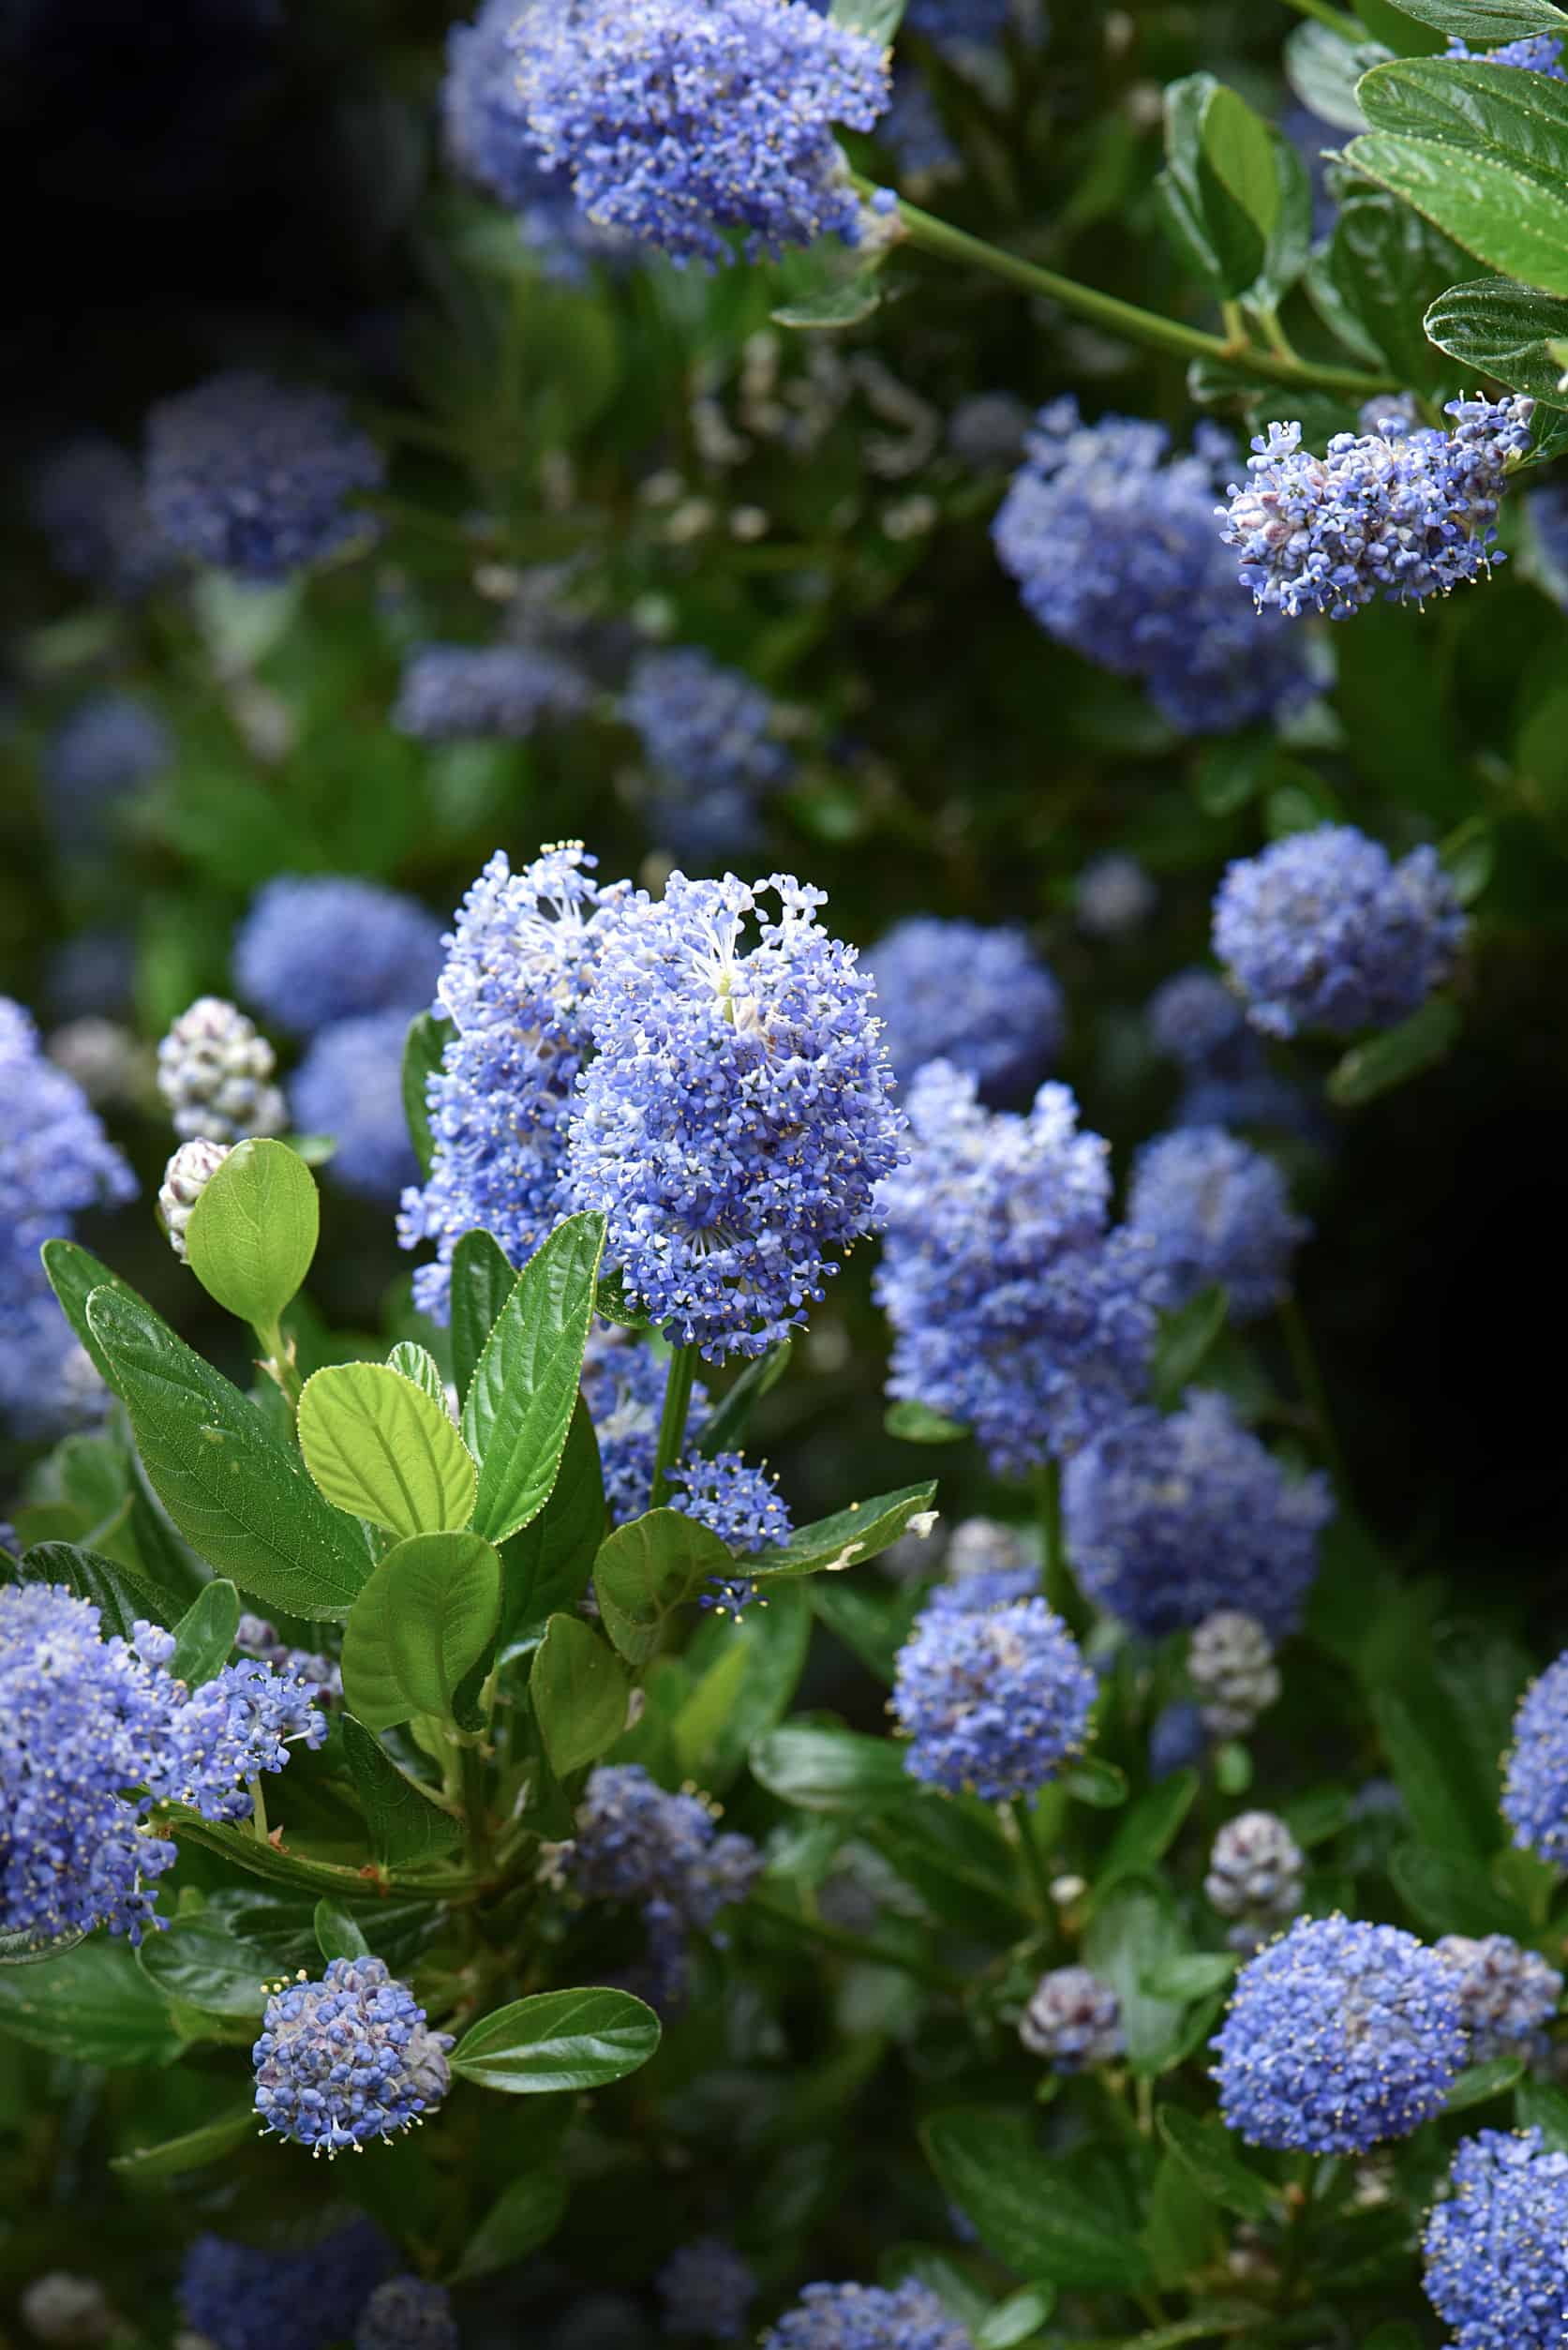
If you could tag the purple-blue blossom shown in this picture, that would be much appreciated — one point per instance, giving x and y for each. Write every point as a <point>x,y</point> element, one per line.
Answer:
<point>1324,930</point>
<point>244,2296</point>
<point>88,502</point>
<point>1493,2247</point>
<point>707,735</point>
<point>1197,1021</point>
<point>1216,1210</point>
<point>1537,53</point>
<point>705,2288</point>
<point>1340,2036</point>
<point>1073,2019</point>
<point>407,2313</point>
<point>636,1842</point>
<point>101,752</point>
<point>457,693</point>
<point>1508,1995</point>
<point>1535,1778</point>
<point>316,948</point>
<point>346,2059</point>
<point>1400,512</point>
<point>907,2316</point>
<point>976,996</point>
<point>256,477</point>
<point>350,1085</point>
<point>994,1703</point>
<point>1170,1518</point>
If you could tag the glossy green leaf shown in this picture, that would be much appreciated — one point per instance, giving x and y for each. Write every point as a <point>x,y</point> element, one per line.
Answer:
<point>1540,2105</point>
<point>1151,1827</point>
<point>1384,265</point>
<point>1521,117</point>
<point>850,1536</point>
<point>579,1690</point>
<point>252,1234</point>
<point>74,1273</point>
<point>829,1769</point>
<point>423,1619</point>
<point>524,2215</point>
<point>524,1391</point>
<point>240,1497</point>
<point>1015,2319</point>
<point>427,1041</point>
<point>726,1424</point>
<point>192,2150</point>
<point>1398,1055</point>
<point>1487,205</point>
<point>337,1932</point>
<point>1323,71</point>
<point>118,1593</point>
<point>917,1424</point>
<point>418,1364</point>
<point>547,1566</point>
<point>203,1965</point>
<point>408,1826</point>
<point>1494,327</point>
<point>1028,2207</point>
<point>1207,2153</point>
<point>205,1635</point>
<point>1187,1336</point>
<point>1479,2082</point>
<point>557,2040</point>
<point>1485,19</point>
<point>745,1689</point>
<point>379,1447</point>
<point>92,2003</point>
<point>646,1569</point>
<point>483,1278</point>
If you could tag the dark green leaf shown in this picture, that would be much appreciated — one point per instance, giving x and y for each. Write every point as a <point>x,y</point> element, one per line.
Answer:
<point>559,2040</point>
<point>428,1040</point>
<point>1015,2319</point>
<point>1485,19</point>
<point>119,1594</point>
<point>1208,2153</point>
<point>917,1424</point>
<point>1384,265</point>
<point>93,2004</point>
<point>483,1278</point>
<point>1539,2106</point>
<point>192,2150</point>
<point>726,1423</point>
<point>378,1447</point>
<point>422,1622</point>
<point>745,1689</point>
<point>1029,2210</point>
<point>524,2215</point>
<point>277,1864</point>
<point>1398,2333</point>
<point>252,1234</point>
<point>850,1536</point>
<point>1478,2082</point>
<point>1439,1798</point>
<point>1497,328</point>
<point>873,1624</point>
<point>520,1404</point>
<point>1489,206</point>
<point>579,1690</point>
<point>240,1497</point>
<point>829,1769</point>
<point>1398,1055</point>
<point>953,1851</point>
<point>1150,1828</point>
<point>1185,1337</point>
<point>1214,237</point>
<point>205,1635</point>
<point>1451,1893</point>
<point>337,1932</point>
<point>203,1965</point>
<point>646,1569</point>
<point>407,1824</point>
<point>546,1566</point>
<point>1520,117</point>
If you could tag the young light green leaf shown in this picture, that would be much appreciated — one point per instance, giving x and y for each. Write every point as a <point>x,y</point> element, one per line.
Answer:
<point>205,1635</point>
<point>1028,2207</point>
<point>579,1691</point>
<point>428,1040</point>
<point>1489,206</point>
<point>557,2040</point>
<point>483,1278</point>
<point>647,1569</point>
<point>917,1424</point>
<point>1495,327</point>
<point>877,19</point>
<point>418,1364</point>
<point>850,1536</point>
<point>422,1620</point>
<point>408,1826</point>
<point>379,1447</point>
<point>253,1231</point>
<point>240,1497</point>
<point>524,1391</point>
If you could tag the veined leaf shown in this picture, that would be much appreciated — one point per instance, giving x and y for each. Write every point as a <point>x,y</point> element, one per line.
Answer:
<point>379,1447</point>
<point>1486,204</point>
<point>579,1691</point>
<point>253,1231</point>
<point>559,2040</point>
<point>520,1404</point>
<point>423,1619</point>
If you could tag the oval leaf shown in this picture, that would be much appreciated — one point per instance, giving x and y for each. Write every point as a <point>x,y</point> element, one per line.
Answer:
<point>646,1569</point>
<point>830,1769</point>
<point>559,2040</point>
<point>192,2150</point>
<point>381,1447</point>
<point>519,1404</point>
<point>425,1616</point>
<point>205,1635</point>
<point>253,1231</point>
<point>1027,2207</point>
<point>1490,207</point>
<point>579,1691</point>
<point>1500,329</point>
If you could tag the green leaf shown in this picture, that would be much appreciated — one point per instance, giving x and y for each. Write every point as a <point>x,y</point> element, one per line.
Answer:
<point>1193,1974</point>
<point>119,1594</point>
<point>579,1691</point>
<point>1235,144</point>
<point>873,1624</point>
<point>524,2215</point>
<point>192,2150</point>
<point>92,2003</point>
<point>1398,1055</point>
<point>878,20</point>
<point>428,1040</point>
<point>1100,1784</point>
<point>205,1635</point>
<point>1015,2319</point>
<point>1485,19</point>
<point>1133,1933</point>
<point>744,1691</point>
<point>547,1566</point>
<point>1431,1778</point>
<point>827,285</point>
<point>519,1405</point>
<point>1150,1828</point>
<point>483,1278</point>
<point>1489,206</point>
<point>646,1569</point>
<point>1452,1892</point>
<point>1478,2082</point>
<point>1205,2151</point>
<point>1521,117</point>
<point>1495,327</point>
<point>418,1364</point>
<point>240,1497</point>
<point>1185,1337</point>
<point>407,1824</point>
<point>1538,2105</point>
<point>423,1619</point>
<point>337,1932</point>
<point>917,1424</point>
<point>850,1536</point>
<point>253,1231</point>
<point>1028,2210</point>
<point>36,1950</point>
<point>726,1423</point>
<point>74,1273</point>
<point>559,2040</point>
<point>379,1447</point>
<point>1383,264</point>
<point>1323,71</point>
<point>829,1769</point>
<point>201,1964</point>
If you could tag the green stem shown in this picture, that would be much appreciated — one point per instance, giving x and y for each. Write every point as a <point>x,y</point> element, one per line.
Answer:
<point>672,1424</point>
<point>1303,1362</point>
<point>277,1360</point>
<point>1034,1859</point>
<point>923,229</point>
<point>476,1807</point>
<point>257,1811</point>
<point>857,1946</point>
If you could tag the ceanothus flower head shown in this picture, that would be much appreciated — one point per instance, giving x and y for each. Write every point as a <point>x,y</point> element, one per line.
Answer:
<point>350,1085</point>
<point>520,964</point>
<point>54,1155</point>
<point>242,2298</point>
<point>1196,1019</point>
<point>736,1119</point>
<point>707,734</point>
<point>87,500</point>
<point>994,1702</point>
<point>226,1731</point>
<point>465,693</point>
<point>1216,1210</point>
<point>1112,540</point>
<point>987,1565</point>
<point>1535,1781</point>
<point>1507,1995</point>
<point>1113,896</point>
<point>1013,1310</point>
<point>1337,2037</point>
<point>348,2059</point>
<point>1229,1663</point>
<point>1324,930</point>
<point>73,2311</point>
<point>674,124</point>
<point>735,1500</point>
<point>1169,1517</point>
<point>406,2313</point>
<point>1538,52</point>
<point>1495,2270</point>
<point>1256,1875</point>
<point>108,747</point>
<point>636,1842</point>
<point>1074,2019</point>
<point>316,948</point>
<point>705,2288</point>
<point>254,476</point>
<point>1400,512</point>
<point>214,1070</point>
<point>907,2316</point>
<point>184,1179</point>
<point>1547,508</point>
<point>977,996</point>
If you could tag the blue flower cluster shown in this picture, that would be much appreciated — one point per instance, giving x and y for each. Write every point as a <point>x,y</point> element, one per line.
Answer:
<point>406,2313</point>
<point>707,2288</point>
<point>636,1842</point>
<point>456,693</point>
<point>106,749</point>
<point>736,1120</point>
<point>1547,508</point>
<point>1073,2019</point>
<point>1014,1311</point>
<point>350,1085</point>
<point>348,2059</point>
<point>914,133</point>
<point>243,2297</point>
<point>1113,896</point>
<point>675,126</point>
<point>316,948</point>
<point>1197,1021</point>
<point>1169,1519</point>
<point>1216,1210</point>
<point>1338,2036</point>
<point>1112,541</point>
<point>1493,2269</point>
<point>1400,512</point>
<point>739,1502</point>
<point>908,2316</point>
<point>520,968</point>
<point>88,502</point>
<point>215,1072</point>
<point>707,735</point>
<point>254,476</point>
<point>992,1701</point>
<point>1535,1783</point>
<point>980,998</point>
<point>987,1565</point>
<point>1507,1995</point>
<point>1538,52</point>
<point>1324,930</point>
